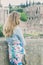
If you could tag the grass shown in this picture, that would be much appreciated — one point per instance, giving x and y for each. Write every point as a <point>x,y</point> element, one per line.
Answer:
<point>34,35</point>
<point>27,35</point>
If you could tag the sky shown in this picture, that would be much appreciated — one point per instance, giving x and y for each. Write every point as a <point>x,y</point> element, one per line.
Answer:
<point>16,2</point>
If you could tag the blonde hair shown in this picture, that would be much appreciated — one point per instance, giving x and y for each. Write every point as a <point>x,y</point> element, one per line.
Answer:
<point>12,21</point>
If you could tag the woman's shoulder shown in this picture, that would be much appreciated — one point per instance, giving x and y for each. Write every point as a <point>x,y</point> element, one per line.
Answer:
<point>17,29</point>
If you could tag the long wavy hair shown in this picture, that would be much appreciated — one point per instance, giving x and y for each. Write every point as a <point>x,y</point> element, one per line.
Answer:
<point>12,21</point>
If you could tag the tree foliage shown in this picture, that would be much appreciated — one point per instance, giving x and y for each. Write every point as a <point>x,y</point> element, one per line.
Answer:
<point>10,8</point>
<point>19,10</point>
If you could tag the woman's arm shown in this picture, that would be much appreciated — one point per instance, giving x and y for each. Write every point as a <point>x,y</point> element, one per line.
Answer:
<point>20,36</point>
<point>9,40</point>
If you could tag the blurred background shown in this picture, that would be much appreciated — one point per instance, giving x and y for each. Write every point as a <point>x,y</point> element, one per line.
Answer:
<point>31,15</point>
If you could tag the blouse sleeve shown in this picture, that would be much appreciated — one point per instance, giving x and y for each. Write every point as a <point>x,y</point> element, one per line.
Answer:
<point>9,40</point>
<point>20,36</point>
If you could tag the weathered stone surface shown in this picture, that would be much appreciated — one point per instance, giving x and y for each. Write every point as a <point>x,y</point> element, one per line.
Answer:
<point>3,53</point>
<point>34,52</point>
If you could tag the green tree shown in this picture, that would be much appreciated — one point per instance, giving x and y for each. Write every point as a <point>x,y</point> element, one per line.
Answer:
<point>38,3</point>
<point>19,10</point>
<point>27,3</point>
<point>10,8</point>
<point>33,2</point>
<point>22,5</point>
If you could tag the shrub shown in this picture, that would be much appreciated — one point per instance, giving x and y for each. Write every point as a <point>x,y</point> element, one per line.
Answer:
<point>1,28</point>
<point>23,16</point>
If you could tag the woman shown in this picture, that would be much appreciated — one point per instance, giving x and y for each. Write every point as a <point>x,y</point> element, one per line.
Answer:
<point>15,39</point>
